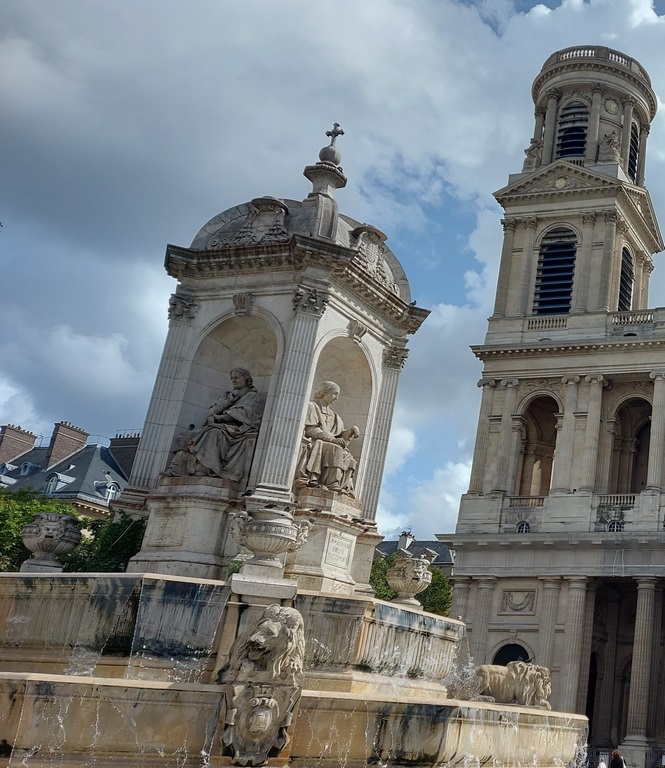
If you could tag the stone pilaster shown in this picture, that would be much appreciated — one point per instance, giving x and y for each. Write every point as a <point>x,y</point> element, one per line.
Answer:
<point>505,266</point>
<point>550,125</point>
<point>607,264</point>
<point>641,163</point>
<point>539,115</point>
<point>591,444</point>
<point>479,466</point>
<point>528,265</point>
<point>573,639</point>
<point>551,588</point>
<point>460,601</point>
<point>564,444</point>
<point>640,674</point>
<point>657,440</point>
<point>505,434</point>
<point>370,481</point>
<point>628,104</point>
<point>484,599</point>
<point>580,298</point>
<point>594,123</point>
<point>276,474</point>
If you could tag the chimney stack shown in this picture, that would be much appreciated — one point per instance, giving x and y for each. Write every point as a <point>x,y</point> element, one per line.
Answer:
<point>14,442</point>
<point>123,448</point>
<point>65,440</point>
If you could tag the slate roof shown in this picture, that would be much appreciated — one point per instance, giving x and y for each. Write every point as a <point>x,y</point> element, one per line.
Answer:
<point>443,557</point>
<point>83,476</point>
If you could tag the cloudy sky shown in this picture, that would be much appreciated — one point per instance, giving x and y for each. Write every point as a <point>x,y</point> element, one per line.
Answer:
<point>126,125</point>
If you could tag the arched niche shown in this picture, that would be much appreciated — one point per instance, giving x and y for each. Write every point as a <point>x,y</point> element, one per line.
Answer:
<point>510,652</point>
<point>538,448</point>
<point>630,446</point>
<point>342,360</point>
<point>246,341</point>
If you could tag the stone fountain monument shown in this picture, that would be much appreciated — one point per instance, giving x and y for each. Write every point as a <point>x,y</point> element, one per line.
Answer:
<point>266,433</point>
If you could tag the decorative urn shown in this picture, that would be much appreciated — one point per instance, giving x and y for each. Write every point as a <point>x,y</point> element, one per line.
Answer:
<point>50,534</point>
<point>410,575</point>
<point>268,533</point>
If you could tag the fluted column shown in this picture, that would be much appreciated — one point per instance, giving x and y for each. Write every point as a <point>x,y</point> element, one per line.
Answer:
<point>528,265</point>
<point>550,125</point>
<point>628,104</point>
<point>573,639</point>
<point>154,450</point>
<point>484,598</point>
<point>479,466</point>
<point>591,444</point>
<point>607,678</point>
<point>655,700</point>
<point>503,283</point>
<point>551,588</point>
<point>640,673</point>
<point>369,482</point>
<point>460,601</point>
<point>657,440</point>
<point>580,299</point>
<point>564,443</point>
<point>505,433</point>
<point>585,655</point>
<point>641,163</point>
<point>281,454</point>
<point>607,264</point>
<point>594,123</point>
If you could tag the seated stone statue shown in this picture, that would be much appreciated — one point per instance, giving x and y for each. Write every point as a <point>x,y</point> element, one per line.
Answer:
<point>218,447</point>
<point>325,459</point>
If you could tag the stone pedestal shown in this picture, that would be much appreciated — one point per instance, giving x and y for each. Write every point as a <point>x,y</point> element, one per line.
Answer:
<point>325,562</point>
<point>188,528</point>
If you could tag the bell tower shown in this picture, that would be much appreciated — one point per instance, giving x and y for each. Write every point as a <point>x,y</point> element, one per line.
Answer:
<point>560,535</point>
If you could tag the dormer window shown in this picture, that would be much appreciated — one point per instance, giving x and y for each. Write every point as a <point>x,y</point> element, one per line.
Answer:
<point>112,491</point>
<point>27,467</point>
<point>52,484</point>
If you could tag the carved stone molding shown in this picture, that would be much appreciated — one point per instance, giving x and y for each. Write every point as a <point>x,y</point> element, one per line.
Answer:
<point>553,93</point>
<point>264,224</point>
<point>611,216</point>
<point>181,308</point>
<point>508,224</point>
<point>371,255</point>
<point>486,383</point>
<point>395,357</point>
<point>243,303</point>
<point>356,330</point>
<point>589,217</point>
<point>518,602</point>
<point>530,222</point>
<point>552,387</point>
<point>621,391</point>
<point>310,300</point>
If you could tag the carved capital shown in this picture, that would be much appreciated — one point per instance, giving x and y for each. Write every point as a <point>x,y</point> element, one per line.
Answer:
<point>596,378</point>
<point>645,128</point>
<point>598,88</point>
<point>611,217</point>
<point>539,112</point>
<point>510,382</point>
<point>654,375</point>
<point>356,330</point>
<point>553,94</point>
<point>589,217</point>
<point>181,308</point>
<point>508,224</point>
<point>243,303</point>
<point>530,222</point>
<point>628,101</point>
<point>486,383</point>
<point>310,300</point>
<point>570,379</point>
<point>395,357</point>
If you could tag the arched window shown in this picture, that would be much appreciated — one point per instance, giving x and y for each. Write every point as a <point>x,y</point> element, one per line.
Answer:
<point>510,652</point>
<point>52,484</point>
<point>556,268</point>
<point>615,526</point>
<point>634,152</point>
<point>523,527</point>
<point>626,282</point>
<point>112,491</point>
<point>571,136</point>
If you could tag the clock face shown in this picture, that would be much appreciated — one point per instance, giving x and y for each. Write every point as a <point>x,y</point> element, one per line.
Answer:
<point>561,182</point>
<point>611,106</point>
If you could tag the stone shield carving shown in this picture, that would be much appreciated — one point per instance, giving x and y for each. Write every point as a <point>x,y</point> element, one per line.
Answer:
<point>263,683</point>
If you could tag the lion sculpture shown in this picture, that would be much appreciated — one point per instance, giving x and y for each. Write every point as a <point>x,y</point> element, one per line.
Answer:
<point>273,648</point>
<point>517,683</point>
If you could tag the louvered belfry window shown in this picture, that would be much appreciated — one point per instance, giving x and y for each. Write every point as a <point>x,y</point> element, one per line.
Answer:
<point>556,268</point>
<point>634,152</point>
<point>571,135</point>
<point>626,281</point>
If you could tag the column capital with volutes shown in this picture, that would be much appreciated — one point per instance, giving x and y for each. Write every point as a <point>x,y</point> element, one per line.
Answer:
<point>486,383</point>
<point>507,383</point>
<point>657,375</point>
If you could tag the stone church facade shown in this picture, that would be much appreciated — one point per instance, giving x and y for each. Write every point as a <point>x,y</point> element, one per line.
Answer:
<point>560,539</point>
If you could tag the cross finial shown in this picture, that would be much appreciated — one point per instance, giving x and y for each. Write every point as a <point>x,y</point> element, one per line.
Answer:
<point>336,131</point>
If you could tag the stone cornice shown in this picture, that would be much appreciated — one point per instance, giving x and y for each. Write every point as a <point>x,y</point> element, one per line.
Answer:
<point>486,352</point>
<point>296,254</point>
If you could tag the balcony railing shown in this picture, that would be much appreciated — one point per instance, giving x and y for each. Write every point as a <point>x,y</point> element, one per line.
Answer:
<point>527,501</point>
<point>623,500</point>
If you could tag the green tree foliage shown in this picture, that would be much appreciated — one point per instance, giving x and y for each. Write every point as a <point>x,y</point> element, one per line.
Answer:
<point>106,545</point>
<point>16,510</point>
<point>435,599</point>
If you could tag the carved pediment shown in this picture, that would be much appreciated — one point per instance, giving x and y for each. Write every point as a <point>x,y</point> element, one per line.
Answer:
<point>558,177</point>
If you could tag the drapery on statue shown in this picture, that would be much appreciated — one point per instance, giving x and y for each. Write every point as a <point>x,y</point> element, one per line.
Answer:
<point>218,447</point>
<point>325,460</point>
